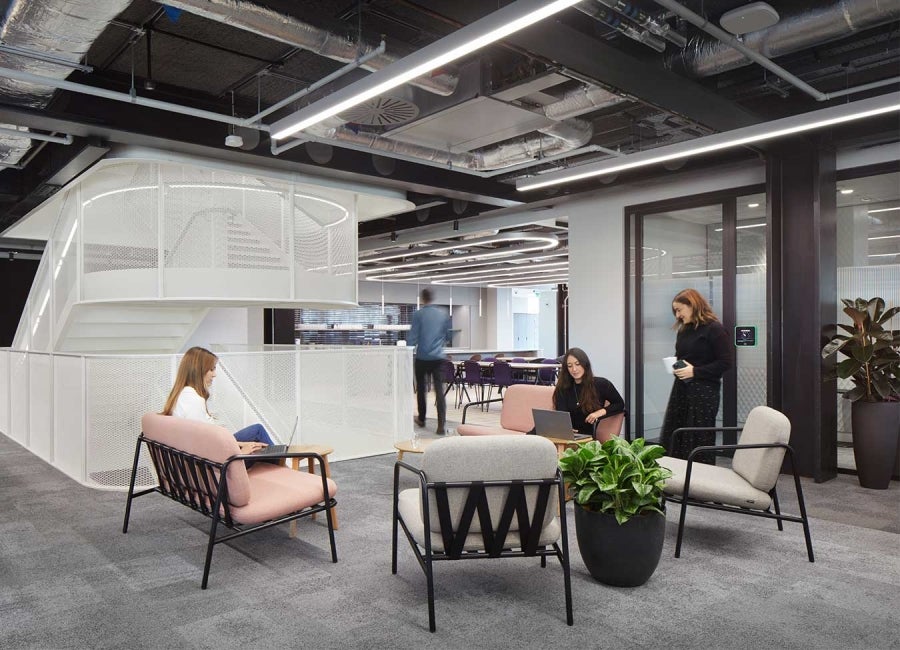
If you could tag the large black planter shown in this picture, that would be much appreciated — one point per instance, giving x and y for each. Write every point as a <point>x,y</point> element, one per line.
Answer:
<point>621,556</point>
<point>876,430</point>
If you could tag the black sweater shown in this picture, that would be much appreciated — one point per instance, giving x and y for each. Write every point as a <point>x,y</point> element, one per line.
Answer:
<point>706,347</point>
<point>606,392</point>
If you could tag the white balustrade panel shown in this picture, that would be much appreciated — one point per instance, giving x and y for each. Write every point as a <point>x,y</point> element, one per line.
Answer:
<point>18,397</point>
<point>4,391</point>
<point>83,413</point>
<point>40,406</point>
<point>68,415</point>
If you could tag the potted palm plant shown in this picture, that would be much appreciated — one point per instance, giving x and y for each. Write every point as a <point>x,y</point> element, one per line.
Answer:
<point>620,521</point>
<point>872,364</point>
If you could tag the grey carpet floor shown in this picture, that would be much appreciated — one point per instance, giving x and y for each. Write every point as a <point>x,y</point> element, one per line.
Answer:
<point>70,579</point>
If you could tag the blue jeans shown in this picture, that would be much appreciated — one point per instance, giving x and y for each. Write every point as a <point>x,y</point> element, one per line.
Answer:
<point>253,433</point>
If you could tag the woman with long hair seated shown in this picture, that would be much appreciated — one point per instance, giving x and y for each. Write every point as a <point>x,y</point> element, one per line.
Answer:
<point>191,391</point>
<point>587,398</point>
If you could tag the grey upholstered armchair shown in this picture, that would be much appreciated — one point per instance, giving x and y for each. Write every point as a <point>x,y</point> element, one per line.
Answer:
<point>483,497</point>
<point>748,486</point>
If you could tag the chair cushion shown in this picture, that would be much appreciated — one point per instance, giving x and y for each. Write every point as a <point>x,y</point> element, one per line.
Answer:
<point>489,458</point>
<point>409,503</point>
<point>761,467</point>
<point>712,483</point>
<point>518,402</point>
<point>277,491</point>
<point>208,441</point>
<point>482,430</point>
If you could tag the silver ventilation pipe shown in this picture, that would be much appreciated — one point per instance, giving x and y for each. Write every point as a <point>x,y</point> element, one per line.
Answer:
<point>64,28</point>
<point>555,139</point>
<point>581,100</point>
<point>262,21</point>
<point>704,56</point>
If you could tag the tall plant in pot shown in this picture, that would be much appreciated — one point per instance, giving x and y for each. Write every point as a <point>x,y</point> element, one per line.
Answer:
<point>619,518</point>
<point>872,364</point>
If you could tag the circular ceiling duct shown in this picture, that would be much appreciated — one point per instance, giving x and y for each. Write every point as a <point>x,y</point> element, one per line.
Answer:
<point>384,165</point>
<point>319,152</point>
<point>382,111</point>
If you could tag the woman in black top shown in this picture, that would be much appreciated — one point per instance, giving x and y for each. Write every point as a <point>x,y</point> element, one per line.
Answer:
<point>705,348</point>
<point>584,396</point>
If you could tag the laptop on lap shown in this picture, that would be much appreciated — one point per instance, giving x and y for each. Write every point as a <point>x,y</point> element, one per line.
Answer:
<point>555,424</point>
<point>280,449</point>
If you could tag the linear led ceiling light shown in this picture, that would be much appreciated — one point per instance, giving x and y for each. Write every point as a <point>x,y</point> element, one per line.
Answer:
<point>542,242</point>
<point>820,119</point>
<point>493,27</point>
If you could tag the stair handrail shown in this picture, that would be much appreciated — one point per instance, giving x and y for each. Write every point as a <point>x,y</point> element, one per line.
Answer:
<point>221,365</point>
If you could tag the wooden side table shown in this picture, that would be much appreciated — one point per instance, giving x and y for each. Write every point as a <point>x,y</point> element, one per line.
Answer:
<point>323,451</point>
<point>406,446</point>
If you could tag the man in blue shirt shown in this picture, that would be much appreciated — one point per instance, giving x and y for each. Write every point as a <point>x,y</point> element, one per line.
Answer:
<point>428,332</point>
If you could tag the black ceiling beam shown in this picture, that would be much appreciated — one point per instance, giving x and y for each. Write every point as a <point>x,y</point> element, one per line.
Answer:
<point>598,60</point>
<point>46,174</point>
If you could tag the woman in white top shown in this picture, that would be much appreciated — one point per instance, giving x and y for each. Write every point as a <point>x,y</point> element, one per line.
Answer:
<point>191,390</point>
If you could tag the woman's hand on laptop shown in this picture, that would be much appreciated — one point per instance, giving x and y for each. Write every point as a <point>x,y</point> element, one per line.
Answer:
<point>250,447</point>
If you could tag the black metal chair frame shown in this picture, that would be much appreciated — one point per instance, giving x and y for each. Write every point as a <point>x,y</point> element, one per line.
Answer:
<point>686,500</point>
<point>201,485</point>
<point>495,540</point>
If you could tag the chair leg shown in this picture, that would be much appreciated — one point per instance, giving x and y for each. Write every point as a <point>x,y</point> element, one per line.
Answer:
<point>567,581</point>
<point>774,494</point>
<point>329,515</point>
<point>137,454</point>
<point>680,526</point>
<point>209,548</point>
<point>394,539</point>
<point>802,504</point>
<point>429,579</point>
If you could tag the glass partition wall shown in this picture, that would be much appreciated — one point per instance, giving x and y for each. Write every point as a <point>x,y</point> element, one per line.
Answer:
<point>868,265</point>
<point>715,244</point>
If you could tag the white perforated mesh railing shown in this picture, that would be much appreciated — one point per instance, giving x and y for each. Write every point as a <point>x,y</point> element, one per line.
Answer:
<point>131,231</point>
<point>82,413</point>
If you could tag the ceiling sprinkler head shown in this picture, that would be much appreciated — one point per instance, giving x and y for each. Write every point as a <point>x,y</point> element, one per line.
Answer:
<point>234,140</point>
<point>149,84</point>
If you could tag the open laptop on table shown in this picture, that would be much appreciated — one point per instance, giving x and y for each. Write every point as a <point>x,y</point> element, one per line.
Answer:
<point>555,424</point>
<point>280,449</point>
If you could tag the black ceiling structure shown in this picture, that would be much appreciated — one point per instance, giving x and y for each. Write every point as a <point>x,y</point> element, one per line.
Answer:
<point>600,79</point>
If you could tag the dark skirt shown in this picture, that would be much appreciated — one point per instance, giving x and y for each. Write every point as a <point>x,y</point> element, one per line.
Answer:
<point>691,404</point>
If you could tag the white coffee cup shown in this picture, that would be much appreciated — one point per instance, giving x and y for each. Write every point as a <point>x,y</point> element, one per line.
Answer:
<point>668,362</point>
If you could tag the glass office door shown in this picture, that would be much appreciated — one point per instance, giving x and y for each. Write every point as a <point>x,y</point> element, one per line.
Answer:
<point>719,249</point>
<point>680,249</point>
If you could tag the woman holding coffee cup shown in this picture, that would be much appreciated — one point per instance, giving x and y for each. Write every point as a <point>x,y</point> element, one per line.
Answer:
<point>703,351</point>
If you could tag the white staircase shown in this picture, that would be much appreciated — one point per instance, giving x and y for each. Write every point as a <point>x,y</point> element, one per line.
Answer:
<point>125,329</point>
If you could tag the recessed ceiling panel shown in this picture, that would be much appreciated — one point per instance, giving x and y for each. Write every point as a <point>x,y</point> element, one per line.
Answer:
<point>476,123</point>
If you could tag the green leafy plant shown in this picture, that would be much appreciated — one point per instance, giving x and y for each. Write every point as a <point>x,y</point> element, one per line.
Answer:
<point>616,477</point>
<point>872,351</point>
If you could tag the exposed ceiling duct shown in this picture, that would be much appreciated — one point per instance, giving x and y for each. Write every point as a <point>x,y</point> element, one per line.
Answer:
<point>704,56</point>
<point>581,100</point>
<point>253,18</point>
<point>65,28</point>
<point>556,138</point>
<point>552,139</point>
